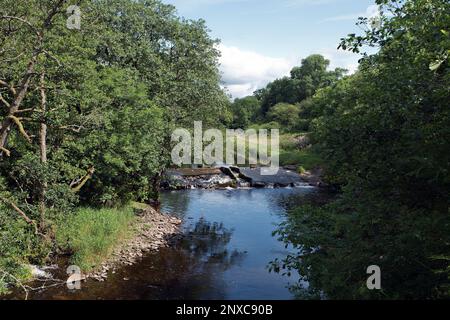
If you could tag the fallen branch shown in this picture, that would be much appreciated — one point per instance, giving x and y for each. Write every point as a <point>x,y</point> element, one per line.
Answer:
<point>17,281</point>
<point>27,288</point>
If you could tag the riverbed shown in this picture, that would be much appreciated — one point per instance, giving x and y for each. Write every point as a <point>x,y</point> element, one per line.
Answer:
<point>224,254</point>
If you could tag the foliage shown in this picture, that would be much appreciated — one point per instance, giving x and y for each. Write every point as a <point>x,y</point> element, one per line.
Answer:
<point>303,83</point>
<point>335,245</point>
<point>86,115</point>
<point>383,134</point>
<point>244,111</point>
<point>18,246</point>
<point>287,115</point>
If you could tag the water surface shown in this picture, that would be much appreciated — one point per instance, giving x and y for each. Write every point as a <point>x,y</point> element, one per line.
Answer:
<point>225,253</point>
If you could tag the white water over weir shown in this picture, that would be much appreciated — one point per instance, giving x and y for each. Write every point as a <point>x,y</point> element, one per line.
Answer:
<point>230,177</point>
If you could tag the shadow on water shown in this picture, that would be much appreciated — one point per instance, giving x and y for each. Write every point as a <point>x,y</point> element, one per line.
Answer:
<point>224,254</point>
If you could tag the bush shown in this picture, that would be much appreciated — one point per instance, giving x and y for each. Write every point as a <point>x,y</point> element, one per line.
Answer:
<point>285,114</point>
<point>19,246</point>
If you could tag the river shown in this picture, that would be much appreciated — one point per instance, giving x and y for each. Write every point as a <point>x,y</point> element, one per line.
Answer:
<point>224,255</point>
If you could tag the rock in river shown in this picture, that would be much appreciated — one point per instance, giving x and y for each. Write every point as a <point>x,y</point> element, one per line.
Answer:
<point>284,178</point>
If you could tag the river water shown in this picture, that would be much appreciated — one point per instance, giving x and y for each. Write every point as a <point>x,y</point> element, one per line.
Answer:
<point>224,255</point>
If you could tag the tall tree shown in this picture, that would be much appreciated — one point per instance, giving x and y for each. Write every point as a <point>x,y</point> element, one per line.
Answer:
<point>305,80</point>
<point>384,135</point>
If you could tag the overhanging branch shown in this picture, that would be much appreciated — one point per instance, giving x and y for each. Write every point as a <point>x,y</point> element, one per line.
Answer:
<point>20,126</point>
<point>76,186</point>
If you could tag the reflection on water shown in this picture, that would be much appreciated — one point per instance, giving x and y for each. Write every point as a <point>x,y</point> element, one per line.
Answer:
<point>225,253</point>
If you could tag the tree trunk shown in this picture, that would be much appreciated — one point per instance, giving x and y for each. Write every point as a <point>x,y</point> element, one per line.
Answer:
<point>43,149</point>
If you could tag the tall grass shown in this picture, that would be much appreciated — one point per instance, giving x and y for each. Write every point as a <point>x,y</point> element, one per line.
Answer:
<point>306,158</point>
<point>92,234</point>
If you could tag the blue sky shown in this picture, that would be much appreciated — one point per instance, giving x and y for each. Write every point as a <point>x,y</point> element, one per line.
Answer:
<point>261,40</point>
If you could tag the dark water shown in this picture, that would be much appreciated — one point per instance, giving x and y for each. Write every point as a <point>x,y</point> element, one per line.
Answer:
<point>225,253</point>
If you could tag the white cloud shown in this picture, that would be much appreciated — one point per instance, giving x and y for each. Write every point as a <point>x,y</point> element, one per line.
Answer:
<point>243,71</point>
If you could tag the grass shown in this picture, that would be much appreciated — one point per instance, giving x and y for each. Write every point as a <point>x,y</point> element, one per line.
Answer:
<point>91,235</point>
<point>138,205</point>
<point>290,154</point>
<point>305,159</point>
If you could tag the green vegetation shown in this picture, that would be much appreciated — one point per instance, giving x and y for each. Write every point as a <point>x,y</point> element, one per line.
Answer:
<point>295,150</point>
<point>91,235</point>
<point>18,247</point>
<point>244,112</point>
<point>383,136</point>
<point>307,159</point>
<point>283,103</point>
<point>86,116</point>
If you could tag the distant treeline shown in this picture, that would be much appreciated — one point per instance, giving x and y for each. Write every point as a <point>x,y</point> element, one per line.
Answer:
<point>286,103</point>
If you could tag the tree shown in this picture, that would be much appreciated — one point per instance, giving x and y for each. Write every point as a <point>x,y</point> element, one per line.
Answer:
<point>303,83</point>
<point>281,90</point>
<point>287,115</point>
<point>86,115</point>
<point>245,111</point>
<point>384,135</point>
<point>312,75</point>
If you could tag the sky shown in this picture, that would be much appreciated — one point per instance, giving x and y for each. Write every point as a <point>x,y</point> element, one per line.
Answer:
<point>261,40</point>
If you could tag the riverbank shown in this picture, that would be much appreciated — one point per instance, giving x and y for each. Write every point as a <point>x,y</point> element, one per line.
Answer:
<point>152,230</point>
<point>97,241</point>
<point>225,247</point>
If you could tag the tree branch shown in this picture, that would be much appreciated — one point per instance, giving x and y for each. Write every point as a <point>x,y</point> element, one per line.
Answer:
<point>17,209</point>
<point>20,126</point>
<point>17,281</point>
<point>6,151</point>
<point>6,103</point>
<point>23,21</point>
<point>9,87</point>
<point>77,185</point>
<point>24,110</point>
<point>74,128</point>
